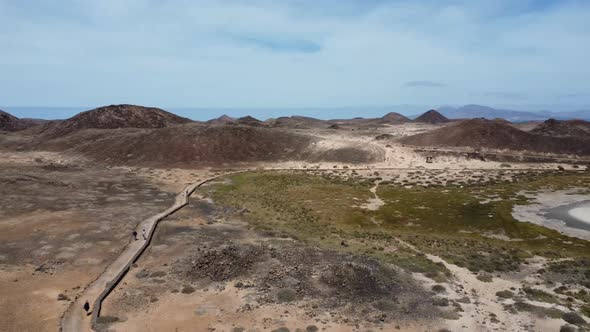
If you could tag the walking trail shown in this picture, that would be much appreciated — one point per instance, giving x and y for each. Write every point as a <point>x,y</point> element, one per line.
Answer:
<point>75,319</point>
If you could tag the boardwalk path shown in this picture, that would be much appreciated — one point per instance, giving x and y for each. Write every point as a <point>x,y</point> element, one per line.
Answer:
<point>75,320</point>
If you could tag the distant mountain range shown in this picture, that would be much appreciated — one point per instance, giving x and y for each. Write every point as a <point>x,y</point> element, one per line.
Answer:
<point>479,111</point>
<point>204,114</point>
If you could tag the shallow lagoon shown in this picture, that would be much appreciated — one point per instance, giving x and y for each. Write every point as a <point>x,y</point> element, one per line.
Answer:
<point>574,215</point>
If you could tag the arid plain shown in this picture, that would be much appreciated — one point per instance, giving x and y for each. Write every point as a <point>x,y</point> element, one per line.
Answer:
<point>302,224</point>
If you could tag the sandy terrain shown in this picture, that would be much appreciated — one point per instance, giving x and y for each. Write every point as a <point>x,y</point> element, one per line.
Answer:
<point>153,291</point>
<point>61,222</point>
<point>374,203</point>
<point>64,218</point>
<point>482,310</point>
<point>144,298</point>
<point>389,154</point>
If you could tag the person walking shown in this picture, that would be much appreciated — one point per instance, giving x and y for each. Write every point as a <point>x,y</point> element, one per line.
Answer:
<point>143,234</point>
<point>87,307</point>
<point>135,235</point>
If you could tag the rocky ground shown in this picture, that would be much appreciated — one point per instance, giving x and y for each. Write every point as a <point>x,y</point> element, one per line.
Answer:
<point>275,282</point>
<point>210,270</point>
<point>61,221</point>
<point>213,266</point>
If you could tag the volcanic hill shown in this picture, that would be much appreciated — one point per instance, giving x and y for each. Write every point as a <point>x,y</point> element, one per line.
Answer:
<point>296,121</point>
<point>113,117</point>
<point>569,128</point>
<point>9,122</point>
<point>182,145</point>
<point>393,117</point>
<point>224,119</point>
<point>432,117</point>
<point>249,121</point>
<point>480,133</point>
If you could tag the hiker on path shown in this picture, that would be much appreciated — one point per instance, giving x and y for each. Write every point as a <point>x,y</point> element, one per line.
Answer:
<point>135,235</point>
<point>87,307</point>
<point>143,234</point>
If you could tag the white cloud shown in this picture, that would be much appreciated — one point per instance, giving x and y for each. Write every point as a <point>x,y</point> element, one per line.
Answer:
<point>223,53</point>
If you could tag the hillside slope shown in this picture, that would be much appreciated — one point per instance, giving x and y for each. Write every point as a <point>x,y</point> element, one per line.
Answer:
<point>115,116</point>
<point>394,118</point>
<point>479,133</point>
<point>9,122</point>
<point>296,121</point>
<point>556,128</point>
<point>189,144</point>
<point>432,117</point>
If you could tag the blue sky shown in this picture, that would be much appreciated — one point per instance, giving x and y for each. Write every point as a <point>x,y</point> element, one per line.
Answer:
<point>525,54</point>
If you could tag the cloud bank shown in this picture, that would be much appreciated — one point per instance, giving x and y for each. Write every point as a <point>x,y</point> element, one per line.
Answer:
<point>262,53</point>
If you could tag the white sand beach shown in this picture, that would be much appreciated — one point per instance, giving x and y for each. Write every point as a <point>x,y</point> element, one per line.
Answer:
<point>581,213</point>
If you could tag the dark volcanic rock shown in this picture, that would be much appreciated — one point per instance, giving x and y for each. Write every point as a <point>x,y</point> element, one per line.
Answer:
<point>556,128</point>
<point>224,119</point>
<point>296,122</point>
<point>9,122</point>
<point>193,143</point>
<point>393,117</point>
<point>115,116</point>
<point>480,133</point>
<point>224,263</point>
<point>249,121</point>
<point>291,272</point>
<point>432,117</point>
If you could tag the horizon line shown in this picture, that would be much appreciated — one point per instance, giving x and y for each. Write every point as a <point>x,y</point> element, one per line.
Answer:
<point>523,108</point>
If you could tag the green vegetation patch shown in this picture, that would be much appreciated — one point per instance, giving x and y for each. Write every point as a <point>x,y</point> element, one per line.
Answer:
<point>465,227</point>
<point>539,295</point>
<point>574,271</point>
<point>319,210</point>
<point>505,294</point>
<point>536,310</point>
<point>454,223</point>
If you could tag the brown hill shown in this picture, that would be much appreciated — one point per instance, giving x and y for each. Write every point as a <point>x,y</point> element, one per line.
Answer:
<point>480,133</point>
<point>556,128</point>
<point>9,122</point>
<point>502,120</point>
<point>296,122</point>
<point>389,118</point>
<point>224,119</point>
<point>181,145</point>
<point>115,116</point>
<point>393,117</point>
<point>432,117</point>
<point>249,121</point>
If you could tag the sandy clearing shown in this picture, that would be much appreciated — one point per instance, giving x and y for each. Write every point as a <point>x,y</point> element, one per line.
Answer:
<point>74,318</point>
<point>373,204</point>
<point>484,302</point>
<point>224,310</point>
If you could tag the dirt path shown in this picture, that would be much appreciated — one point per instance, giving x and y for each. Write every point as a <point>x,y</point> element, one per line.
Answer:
<point>75,319</point>
<point>376,202</point>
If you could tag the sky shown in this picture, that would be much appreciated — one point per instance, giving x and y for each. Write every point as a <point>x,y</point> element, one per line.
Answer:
<point>295,54</point>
